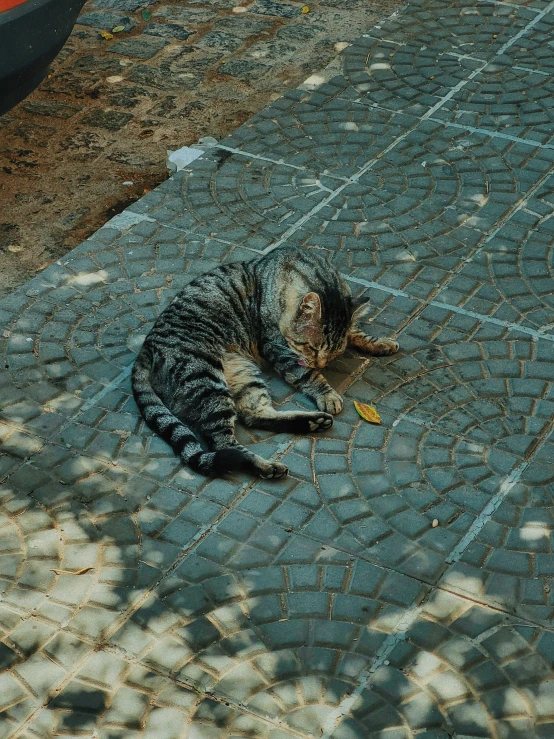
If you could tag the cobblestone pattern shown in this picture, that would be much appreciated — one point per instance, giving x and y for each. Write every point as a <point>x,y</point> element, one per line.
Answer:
<point>399,582</point>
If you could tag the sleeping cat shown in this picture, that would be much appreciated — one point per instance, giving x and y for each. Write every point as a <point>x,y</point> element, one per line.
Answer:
<point>199,367</point>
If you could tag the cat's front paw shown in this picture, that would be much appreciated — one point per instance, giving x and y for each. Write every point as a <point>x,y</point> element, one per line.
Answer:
<point>330,402</point>
<point>378,347</point>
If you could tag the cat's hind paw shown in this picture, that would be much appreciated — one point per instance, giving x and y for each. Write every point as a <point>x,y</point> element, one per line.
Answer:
<point>274,471</point>
<point>320,423</point>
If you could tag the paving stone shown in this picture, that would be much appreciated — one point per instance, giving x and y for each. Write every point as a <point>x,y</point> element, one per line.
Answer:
<point>124,5</point>
<point>139,597</point>
<point>138,47</point>
<point>396,224</point>
<point>229,34</point>
<point>516,568</point>
<point>513,101</point>
<point>410,76</point>
<point>271,7</point>
<point>477,394</point>
<point>111,120</point>
<point>105,20</point>
<point>56,110</point>
<point>531,51</point>
<point>81,311</point>
<point>457,27</point>
<point>244,68</point>
<point>335,137</point>
<point>166,30</point>
<point>510,278</point>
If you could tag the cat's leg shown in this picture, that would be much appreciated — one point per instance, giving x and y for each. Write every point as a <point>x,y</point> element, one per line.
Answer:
<point>219,433</point>
<point>254,404</point>
<point>309,381</point>
<point>205,403</point>
<point>378,347</point>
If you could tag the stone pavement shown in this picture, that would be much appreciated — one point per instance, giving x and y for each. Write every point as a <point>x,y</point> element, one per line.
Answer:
<point>94,136</point>
<point>140,600</point>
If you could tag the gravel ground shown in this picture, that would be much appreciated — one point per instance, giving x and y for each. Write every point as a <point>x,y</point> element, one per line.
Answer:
<point>94,137</point>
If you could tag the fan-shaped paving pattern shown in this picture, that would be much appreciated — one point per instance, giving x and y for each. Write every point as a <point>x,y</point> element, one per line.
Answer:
<point>483,674</point>
<point>532,50</point>
<point>90,317</point>
<point>52,562</point>
<point>511,562</point>
<point>491,389</point>
<point>512,278</point>
<point>376,493</point>
<point>251,201</point>
<point>408,76</point>
<point>286,643</point>
<point>431,199</point>
<point>261,656</point>
<point>464,27</point>
<point>512,101</point>
<point>334,138</point>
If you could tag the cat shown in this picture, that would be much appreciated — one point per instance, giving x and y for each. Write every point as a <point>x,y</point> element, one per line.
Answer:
<point>199,367</point>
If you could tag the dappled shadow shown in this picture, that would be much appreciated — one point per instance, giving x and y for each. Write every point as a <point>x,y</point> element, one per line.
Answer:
<point>398,583</point>
<point>185,635</point>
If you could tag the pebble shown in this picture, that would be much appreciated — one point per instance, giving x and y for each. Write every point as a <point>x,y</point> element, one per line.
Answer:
<point>435,523</point>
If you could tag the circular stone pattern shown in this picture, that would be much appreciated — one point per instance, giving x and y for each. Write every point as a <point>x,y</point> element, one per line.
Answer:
<point>409,76</point>
<point>335,138</point>
<point>436,193</point>
<point>250,201</point>
<point>533,49</point>
<point>81,330</point>
<point>517,270</point>
<point>513,101</point>
<point>462,28</point>
<point>47,535</point>
<point>291,651</point>
<point>511,561</point>
<point>383,489</point>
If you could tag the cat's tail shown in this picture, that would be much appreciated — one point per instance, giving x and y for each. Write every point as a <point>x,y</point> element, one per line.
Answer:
<point>174,432</point>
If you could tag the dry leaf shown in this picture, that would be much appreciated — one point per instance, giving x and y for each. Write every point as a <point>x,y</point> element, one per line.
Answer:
<point>73,572</point>
<point>107,35</point>
<point>367,412</point>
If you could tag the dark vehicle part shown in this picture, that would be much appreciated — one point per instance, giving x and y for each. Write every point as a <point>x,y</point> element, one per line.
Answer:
<point>32,32</point>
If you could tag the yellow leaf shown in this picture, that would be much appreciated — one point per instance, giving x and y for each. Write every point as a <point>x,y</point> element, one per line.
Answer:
<point>118,29</point>
<point>367,412</point>
<point>305,9</point>
<point>105,34</point>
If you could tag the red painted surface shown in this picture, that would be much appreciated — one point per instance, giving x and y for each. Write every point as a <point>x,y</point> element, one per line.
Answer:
<point>9,4</point>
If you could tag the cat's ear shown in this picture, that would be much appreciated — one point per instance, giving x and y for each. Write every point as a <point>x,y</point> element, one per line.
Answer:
<point>361,308</point>
<point>310,307</point>
<point>308,318</point>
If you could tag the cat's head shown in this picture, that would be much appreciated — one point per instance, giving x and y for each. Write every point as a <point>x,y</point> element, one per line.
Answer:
<point>319,334</point>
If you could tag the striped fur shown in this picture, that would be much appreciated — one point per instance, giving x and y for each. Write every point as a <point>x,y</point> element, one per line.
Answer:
<point>199,368</point>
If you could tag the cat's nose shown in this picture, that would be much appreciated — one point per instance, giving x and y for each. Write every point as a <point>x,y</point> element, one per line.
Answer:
<point>320,362</point>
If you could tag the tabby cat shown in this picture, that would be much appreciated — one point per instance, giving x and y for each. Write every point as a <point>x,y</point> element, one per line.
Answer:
<point>199,367</point>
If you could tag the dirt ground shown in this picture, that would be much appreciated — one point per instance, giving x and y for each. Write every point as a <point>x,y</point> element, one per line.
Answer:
<point>94,136</point>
